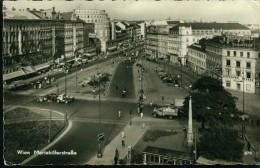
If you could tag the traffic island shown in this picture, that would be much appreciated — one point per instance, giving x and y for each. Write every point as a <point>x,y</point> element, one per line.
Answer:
<point>23,138</point>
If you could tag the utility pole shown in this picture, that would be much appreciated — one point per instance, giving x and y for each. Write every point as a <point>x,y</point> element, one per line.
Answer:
<point>195,134</point>
<point>49,140</point>
<point>66,71</point>
<point>99,155</point>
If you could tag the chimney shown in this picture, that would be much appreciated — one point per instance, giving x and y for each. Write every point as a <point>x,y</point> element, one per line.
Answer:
<point>34,9</point>
<point>27,9</point>
<point>53,13</point>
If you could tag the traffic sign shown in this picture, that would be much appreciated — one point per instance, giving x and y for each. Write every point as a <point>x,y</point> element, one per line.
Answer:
<point>101,137</point>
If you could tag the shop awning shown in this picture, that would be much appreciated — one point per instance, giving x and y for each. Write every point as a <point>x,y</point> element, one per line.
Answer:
<point>42,66</point>
<point>13,75</point>
<point>28,70</point>
<point>112,48</point>
<point>90,54</point>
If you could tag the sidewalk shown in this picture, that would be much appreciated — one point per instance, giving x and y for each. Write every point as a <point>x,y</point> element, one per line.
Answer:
<point>155,90</point>
<point>132,135</point>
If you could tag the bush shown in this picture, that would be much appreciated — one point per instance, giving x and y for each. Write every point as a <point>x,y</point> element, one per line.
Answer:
<point>32,136</point>
<point>154,135</point>
<point>20,113</point>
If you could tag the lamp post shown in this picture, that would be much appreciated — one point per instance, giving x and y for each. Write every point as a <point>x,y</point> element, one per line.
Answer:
<point>66,111</point>
<point>130,118</point>
<point>49,140</point>
<point>243,130</point>
<point>99,155</point>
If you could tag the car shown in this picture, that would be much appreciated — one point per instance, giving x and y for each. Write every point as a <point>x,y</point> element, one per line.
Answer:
<point>62,98</point>
<point>48,97</point>
<point>167,80</point>
<point>165,111</point>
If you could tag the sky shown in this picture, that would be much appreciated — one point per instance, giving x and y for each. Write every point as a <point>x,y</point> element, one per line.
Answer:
<point>242,11</point>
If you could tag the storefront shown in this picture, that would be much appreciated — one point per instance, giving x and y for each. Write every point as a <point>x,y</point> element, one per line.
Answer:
<point>112,49</point>
<point>42,67</point>
<point>17,75</point>
<point>153,155</point>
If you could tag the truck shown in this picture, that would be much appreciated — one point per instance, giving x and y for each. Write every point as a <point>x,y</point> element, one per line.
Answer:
<point>169,111</point>
<point>62,98</point>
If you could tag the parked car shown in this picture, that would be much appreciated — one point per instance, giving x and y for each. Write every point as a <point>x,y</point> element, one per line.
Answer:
<point>48,97</point>
<point>167,80</point>
<point>167,111</point>
<point>62,98</point>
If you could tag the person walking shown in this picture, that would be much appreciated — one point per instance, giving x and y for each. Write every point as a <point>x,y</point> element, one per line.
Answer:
<point>141,114</point>
<point>123,134</point>
<point>143,126</point>
<point>248,146</point>
<point>119,114</point>
<point>123,143</point>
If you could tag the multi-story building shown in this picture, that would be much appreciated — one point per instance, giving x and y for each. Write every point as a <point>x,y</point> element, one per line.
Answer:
<point>214,60</point>
<point>197,58</point>
<point>156,44</point>
<point>182,35</point>
<point>241,64</point>
<point>102,23</point>
<point>235,60</point>
<point>31,42</point>
<point>143,30</point>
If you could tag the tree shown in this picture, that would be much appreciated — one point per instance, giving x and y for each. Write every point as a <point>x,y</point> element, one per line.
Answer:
<point>220,143</point>
<point>212,105</point>
<point>137,158</point>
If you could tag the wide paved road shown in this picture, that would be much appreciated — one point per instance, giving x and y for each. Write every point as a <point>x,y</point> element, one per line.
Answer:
<point>123,78</point>
<point>82,138</point>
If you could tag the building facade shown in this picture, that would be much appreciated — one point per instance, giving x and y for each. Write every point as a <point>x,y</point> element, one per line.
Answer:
<point>241,65</point>
<point>197,59</point>
<point>102,24</point>
<point>182,35</point>
<point>32,41</point>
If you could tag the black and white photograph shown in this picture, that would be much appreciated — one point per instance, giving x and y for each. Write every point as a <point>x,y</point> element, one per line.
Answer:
<point>131,82</point>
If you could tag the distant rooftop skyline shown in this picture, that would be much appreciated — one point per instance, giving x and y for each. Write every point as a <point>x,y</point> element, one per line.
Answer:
<point>244,12</point>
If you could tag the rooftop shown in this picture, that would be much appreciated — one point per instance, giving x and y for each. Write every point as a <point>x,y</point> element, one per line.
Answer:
<point>225,26</point>
<point>11,14</point>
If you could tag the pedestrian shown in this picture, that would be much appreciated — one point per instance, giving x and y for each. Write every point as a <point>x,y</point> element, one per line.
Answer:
<point>248,146</point>
<point>141,114</point>
<point>143,126</point>
<point>138,109</point>
<point>162,98</point>
<point>151,103</point>
<point>257,155</point>
<point>116,88</point>
<point>123,143</point>
<point>258,122</point>
<point>119,114</point>
<point>123,134</point>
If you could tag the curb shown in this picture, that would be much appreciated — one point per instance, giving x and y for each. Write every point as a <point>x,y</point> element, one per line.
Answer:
<point>50,145</point>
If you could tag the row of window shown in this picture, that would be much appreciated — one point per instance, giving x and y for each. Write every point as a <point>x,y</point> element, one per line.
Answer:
<point>239,73</point>
<point>235,53</point>
<point>239,86</point>
<point>93,16</point>
<point>89,11</point>
<point>238,64</point>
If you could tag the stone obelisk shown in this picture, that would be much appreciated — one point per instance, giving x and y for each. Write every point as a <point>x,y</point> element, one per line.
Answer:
<point>190,132</point>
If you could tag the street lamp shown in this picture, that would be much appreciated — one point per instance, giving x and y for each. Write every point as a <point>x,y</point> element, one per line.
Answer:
<point>49,140</point>
<point>99,155</point>
<point>66,111</point>
<point>243,97</point>
<point>130,113</point>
